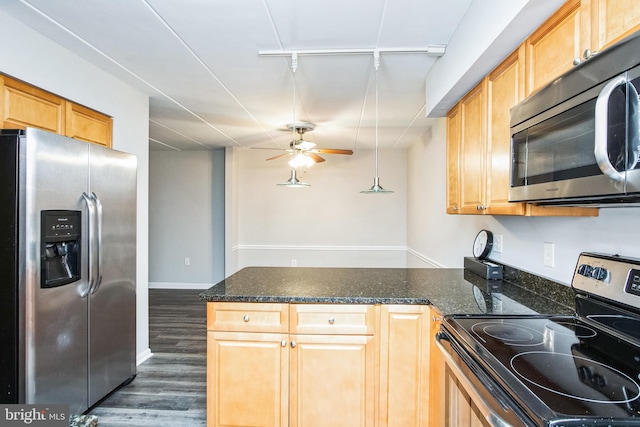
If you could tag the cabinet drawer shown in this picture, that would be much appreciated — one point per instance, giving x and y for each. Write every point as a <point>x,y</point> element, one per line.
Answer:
<point>333,319</point>
<point>247,317</point>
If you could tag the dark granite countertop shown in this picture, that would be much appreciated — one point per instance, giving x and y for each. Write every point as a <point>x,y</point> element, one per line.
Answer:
<point>452,291</point>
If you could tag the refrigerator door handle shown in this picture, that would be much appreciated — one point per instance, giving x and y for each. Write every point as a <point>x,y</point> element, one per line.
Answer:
<point>98,238</point>
<point>91,252</point>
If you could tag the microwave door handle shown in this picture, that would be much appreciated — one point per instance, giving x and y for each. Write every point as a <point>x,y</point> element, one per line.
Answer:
<point>601,125</point>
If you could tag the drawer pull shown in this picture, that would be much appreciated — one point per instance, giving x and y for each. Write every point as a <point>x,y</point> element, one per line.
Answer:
<point>331,320</point>
<point>246,318</point>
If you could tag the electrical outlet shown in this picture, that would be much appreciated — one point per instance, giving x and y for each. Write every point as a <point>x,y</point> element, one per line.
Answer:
<point>294,262</point>
<point>497,243</point>
<point>549,254</point>
<point>187,261</point>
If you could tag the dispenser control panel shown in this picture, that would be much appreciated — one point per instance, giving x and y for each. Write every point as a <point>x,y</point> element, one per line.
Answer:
<point>60,247</point>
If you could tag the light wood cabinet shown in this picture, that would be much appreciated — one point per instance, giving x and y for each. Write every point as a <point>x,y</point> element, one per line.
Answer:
<point>88,125</point>
<point>437,387</point>
<point>551,49</point>
<point>505,89</point>
<point>291,364</point>
<point>578,28</point>
<point>251,372</point>
<point>404,366</point>
<point>461,410</point>
<point>453,160</point>
<point>305,365</point>
<point>23,105</point>
<point>611,20</point>
<point>472,177</point>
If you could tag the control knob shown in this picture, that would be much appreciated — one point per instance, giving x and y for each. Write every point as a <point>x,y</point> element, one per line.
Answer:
<point>599,273</point>
<point>585,270</point>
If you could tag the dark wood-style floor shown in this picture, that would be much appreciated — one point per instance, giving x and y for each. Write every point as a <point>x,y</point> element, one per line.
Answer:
<point>169,389</point>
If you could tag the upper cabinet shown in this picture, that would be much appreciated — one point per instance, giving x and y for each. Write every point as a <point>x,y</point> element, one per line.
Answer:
<point>88,125</point>
<point>23,105</point>
<point>575,32</point>
<point>478,136</point>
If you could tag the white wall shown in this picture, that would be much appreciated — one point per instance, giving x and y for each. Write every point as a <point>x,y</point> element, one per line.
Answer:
<point>436,238</point>
<point>30,57</point>
<point>186,202</point>
<point>327,224</point>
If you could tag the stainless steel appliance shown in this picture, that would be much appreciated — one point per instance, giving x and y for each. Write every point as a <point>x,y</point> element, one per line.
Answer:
<point>67,269</point>
<point>540,370</point>
<point>577,140</point>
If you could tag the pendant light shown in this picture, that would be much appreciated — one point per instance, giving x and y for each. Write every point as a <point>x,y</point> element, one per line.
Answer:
<point>293,181</point>
<point>296,161</point>
<point>376,187</point>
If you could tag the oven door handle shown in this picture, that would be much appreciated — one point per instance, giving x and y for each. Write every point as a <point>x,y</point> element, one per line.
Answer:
<point>600,149</point>
<point>490,416</point>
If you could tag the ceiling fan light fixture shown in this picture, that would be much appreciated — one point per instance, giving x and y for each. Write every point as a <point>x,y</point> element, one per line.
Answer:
<point>300,160</point>
<point>293,181</point>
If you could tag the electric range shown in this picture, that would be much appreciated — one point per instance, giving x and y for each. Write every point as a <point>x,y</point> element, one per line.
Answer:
<point>538,370</point>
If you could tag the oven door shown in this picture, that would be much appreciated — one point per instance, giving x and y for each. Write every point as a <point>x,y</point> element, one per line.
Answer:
<point>471,396</point>
<point>582,148</point>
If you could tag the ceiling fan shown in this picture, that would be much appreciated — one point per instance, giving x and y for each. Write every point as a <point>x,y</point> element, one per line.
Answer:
<point>304,152</point>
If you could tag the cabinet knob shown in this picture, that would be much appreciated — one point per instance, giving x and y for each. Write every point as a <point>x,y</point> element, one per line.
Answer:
<point>481,207</point>
<point>455,209</point>
<point>283,343</point>
<point>246,318</point>
<point>293,344</point>
<point>331,320</point>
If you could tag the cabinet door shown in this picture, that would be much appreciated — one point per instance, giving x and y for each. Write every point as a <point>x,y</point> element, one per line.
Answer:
<point>247,379</point>
<point>472,152</point>
<point>404,366</point>
<point>453,160</point>
<point>437,387</point>
<point>505,88</point>
<point>612,20</point>
<point>23,105</point>
<point>552,48</point>
<point>461,409</point>
<point>332,381</point>
<point>88,125</point>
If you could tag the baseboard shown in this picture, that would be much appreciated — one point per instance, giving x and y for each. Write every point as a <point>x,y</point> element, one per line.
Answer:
<point>143,357</point>
<point>179,285</point>
<point>431,263</point>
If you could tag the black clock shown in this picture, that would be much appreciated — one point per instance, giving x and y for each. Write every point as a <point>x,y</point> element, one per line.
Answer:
<point>483,244</point>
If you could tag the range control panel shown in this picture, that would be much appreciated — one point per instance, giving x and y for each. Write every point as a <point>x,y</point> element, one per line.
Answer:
<point>609,276</point>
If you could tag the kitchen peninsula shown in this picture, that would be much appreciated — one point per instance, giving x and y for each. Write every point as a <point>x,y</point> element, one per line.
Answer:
<point>347,346</point>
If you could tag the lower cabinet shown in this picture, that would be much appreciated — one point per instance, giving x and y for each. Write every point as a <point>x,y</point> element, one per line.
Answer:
<point>305,365</point>
<point>461,410</point>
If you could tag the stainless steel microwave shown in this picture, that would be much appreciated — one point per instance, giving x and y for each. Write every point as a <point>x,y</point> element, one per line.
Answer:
<point>577,140</point>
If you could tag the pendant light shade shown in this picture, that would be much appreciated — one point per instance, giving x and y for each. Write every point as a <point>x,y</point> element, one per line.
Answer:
<point>376,187</point>
<point>293,181</point>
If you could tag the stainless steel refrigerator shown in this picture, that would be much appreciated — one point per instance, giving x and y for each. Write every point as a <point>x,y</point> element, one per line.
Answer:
<point>67,269</point>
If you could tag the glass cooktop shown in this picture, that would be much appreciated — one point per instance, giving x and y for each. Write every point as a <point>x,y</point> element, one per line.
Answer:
<point>557,365</point>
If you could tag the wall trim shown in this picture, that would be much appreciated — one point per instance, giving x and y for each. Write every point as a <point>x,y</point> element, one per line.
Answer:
<point>179,285</point>
<point>424,258</point>
<point>317,248</point>
<point>143,357</point>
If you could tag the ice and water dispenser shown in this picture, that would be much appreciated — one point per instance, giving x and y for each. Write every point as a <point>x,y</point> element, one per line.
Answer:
<point>60,247</point>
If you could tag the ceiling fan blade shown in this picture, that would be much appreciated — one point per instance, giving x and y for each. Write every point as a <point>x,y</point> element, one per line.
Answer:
<point>278,156</point>
<point>333,151</point>
<point>315,157</point>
